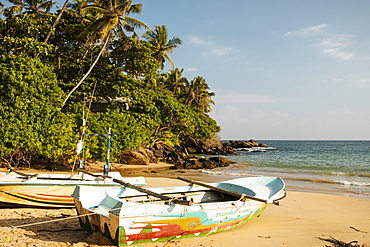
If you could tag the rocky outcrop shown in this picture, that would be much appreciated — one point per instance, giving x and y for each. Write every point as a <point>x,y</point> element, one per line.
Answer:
<point>210,147</point>
<point>244,144</point>
<point>216,147</point>
<point>183,156</point>
<point>202,163</point>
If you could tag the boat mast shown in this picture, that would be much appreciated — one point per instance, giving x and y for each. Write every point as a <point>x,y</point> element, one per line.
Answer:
<point>82,157</point>
<point>107,163</point>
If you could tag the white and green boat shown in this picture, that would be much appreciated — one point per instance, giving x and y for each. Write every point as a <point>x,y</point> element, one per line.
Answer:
<point>133,215</point>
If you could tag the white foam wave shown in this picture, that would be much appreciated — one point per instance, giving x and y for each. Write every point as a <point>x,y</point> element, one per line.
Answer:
<point>219,173</point>
<point>254,149</point>
<point>352,183</point>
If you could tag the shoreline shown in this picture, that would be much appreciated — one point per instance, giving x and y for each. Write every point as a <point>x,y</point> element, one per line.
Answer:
<point>162,169</point>
<point>298,185</point>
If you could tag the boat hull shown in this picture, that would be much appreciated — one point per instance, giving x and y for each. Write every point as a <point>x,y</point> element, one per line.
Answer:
<point>125,231</point>
<point>46,191</point>
<point>36,196</point>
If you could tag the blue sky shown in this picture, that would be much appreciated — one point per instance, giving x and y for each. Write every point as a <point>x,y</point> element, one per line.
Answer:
<point>281,70</point>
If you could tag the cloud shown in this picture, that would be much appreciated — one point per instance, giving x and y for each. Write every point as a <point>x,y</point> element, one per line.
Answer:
<point>191,69</point>
<point>362,80</point>
<point>242,99</point>
<point>338,40</point>
<point>343,55</point>
<point>334,45</point>
<point>210,47</point>
<point>239,116</point>
<point>342,112</point>
<point>319,29</point>
<point>330,44</point>
<point>223,51</point>
<point>197,40</point>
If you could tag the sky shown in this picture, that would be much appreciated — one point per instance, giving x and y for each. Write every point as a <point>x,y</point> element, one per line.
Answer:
<point>281,70</point>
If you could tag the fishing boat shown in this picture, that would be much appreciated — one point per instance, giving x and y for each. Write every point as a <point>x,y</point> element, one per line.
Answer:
<point>51,190</point>
<point>134,215</point>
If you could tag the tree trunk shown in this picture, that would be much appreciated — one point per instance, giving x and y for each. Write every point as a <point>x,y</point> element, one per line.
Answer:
<point>87,73</point>
<point>56,21</point>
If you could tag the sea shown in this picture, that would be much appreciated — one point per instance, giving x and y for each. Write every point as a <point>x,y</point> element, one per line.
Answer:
<point>335,167</point>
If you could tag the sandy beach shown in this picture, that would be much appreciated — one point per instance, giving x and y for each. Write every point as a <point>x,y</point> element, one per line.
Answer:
<point>301,220</point>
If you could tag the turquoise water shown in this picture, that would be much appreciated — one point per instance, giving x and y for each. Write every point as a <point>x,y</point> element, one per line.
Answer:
<point>341,167</point>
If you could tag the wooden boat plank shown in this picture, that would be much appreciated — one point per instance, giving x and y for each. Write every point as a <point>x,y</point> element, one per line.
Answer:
<point>28,175</point>
<point>152,193</point>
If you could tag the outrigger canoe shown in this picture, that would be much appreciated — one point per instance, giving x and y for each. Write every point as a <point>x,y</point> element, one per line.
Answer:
<point>134,215</point>
<point>51,190</point>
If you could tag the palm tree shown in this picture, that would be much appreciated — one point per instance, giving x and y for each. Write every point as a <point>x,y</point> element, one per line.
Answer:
<point>159,38</point>
<point>175,82</point>
<point>1,8</point>
<point>196,95</point>
<point>30,6</point>
<point>112,21</point>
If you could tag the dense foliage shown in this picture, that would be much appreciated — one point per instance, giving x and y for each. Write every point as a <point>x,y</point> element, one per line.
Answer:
<point>93,66</point>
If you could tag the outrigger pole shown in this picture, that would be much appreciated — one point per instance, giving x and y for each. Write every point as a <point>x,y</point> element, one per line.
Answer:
<point>146,191</point>
<point>107,161</point>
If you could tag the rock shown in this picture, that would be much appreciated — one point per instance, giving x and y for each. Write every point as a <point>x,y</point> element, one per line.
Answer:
<point>134,158</point>
<point>243,144</point>
<point>203,163</point>
<point>213,147</point>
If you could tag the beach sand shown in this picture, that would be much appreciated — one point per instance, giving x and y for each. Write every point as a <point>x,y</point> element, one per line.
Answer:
<point>300,220</point>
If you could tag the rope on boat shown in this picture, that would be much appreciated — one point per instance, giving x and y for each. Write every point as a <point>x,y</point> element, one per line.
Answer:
<point>13,228</point>
<point>44,222</point>
<point>48,221</point>
<point>216,227</point>
<point>208,233</point>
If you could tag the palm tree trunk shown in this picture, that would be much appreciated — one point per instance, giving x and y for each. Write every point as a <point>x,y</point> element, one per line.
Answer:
<point>87,73</point>
<point>56,21</point>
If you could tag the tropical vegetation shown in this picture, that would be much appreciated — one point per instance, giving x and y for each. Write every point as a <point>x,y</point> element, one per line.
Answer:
<point>87,64</point>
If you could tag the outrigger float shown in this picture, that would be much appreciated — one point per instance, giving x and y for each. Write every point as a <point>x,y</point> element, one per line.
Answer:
<point>134,215</point>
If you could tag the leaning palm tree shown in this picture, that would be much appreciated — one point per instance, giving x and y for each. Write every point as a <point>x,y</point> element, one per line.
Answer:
<point>159,38</point>
<point>112,21</point>
<point>56,21</point>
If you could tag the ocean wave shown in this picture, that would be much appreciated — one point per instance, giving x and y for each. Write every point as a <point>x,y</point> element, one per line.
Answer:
<point>352,183</point>
<point>313,180</point>
<point>220,173</point>
<point>255,149</point>
<point>340,174</point>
